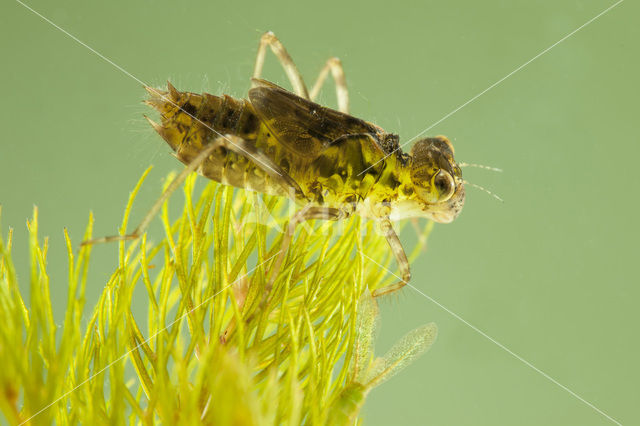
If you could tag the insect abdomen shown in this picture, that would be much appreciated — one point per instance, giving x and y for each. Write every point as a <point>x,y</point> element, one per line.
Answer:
<point>191,118</point>
<point>191,121</point>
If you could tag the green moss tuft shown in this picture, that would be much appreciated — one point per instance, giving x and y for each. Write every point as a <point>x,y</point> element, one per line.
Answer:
<point>208,348</point>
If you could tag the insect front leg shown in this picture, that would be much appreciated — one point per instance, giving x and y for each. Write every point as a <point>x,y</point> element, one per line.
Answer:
<point>269,39</point>
<point>342,93</point>
<point>401,259</point>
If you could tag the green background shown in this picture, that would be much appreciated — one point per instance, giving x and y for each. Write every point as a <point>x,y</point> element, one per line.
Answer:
<point>551,273</point>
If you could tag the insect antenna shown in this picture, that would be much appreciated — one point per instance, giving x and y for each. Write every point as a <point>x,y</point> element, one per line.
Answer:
<point>482,188</point>
<point>480,166</point>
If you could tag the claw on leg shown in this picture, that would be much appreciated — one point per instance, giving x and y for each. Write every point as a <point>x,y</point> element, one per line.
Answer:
<point>231,142</point>
<point>401,259</point>
<point>177,181</point>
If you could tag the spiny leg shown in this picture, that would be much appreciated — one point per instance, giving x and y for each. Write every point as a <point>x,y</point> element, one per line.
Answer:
<point>401,259</point>
<point>191,167</point>
<point>269,39</point>
<point>335,66</point>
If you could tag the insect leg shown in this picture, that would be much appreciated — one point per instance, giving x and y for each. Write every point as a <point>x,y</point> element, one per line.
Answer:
<point>335,66</point>
<point>230,142</point>
<point>191,167</point>
<point>269,39</point>
<point>260,159</point>
<point>306,213</point>
<point>401,259</point>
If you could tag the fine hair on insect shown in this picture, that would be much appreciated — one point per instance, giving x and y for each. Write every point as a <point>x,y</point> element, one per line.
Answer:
<point>330,164</point>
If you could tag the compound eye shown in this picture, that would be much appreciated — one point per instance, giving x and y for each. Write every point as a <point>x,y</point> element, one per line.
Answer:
<point>444,184</point>
<point>447,141</point>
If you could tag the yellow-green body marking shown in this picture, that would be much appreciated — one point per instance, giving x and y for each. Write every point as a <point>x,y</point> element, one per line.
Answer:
<point>337,160</point>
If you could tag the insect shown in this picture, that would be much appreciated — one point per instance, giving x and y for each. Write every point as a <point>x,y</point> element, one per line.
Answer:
<point>332,164</point>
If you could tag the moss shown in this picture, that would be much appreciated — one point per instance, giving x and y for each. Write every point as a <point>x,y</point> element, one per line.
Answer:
<point>209,348</point>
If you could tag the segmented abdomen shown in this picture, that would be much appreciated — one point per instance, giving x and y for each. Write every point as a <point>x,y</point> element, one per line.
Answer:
<point>191,121</point>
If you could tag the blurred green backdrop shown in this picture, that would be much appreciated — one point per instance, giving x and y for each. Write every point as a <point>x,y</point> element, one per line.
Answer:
<point>551,273</point>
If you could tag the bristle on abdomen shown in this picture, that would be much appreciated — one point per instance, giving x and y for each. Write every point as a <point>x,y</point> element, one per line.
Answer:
<point>190,121</point>
<point>186,115</point>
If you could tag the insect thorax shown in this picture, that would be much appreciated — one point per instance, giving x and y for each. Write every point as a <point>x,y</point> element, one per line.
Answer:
<point>345,173</point>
